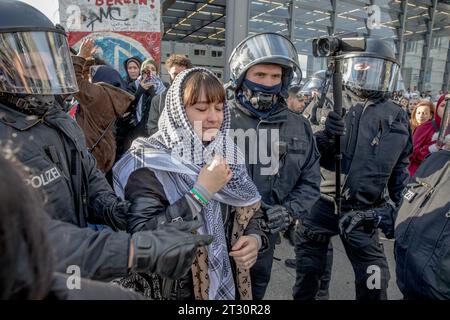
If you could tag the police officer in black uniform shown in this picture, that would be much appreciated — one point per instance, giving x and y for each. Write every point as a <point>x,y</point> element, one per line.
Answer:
<point>35,74</point>
<point>280,152</point>
<point>376,143</point>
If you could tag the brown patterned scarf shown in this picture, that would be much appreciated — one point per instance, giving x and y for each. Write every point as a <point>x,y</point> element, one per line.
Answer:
<point>200,266</point>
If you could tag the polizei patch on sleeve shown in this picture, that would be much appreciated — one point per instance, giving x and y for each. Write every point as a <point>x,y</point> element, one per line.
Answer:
<point>44,179</point>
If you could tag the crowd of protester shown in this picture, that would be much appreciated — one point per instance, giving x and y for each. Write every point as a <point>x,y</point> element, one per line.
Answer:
<point>127,175</point>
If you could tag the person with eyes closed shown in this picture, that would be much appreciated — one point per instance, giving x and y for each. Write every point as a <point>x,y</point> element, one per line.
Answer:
<point>191,170</point>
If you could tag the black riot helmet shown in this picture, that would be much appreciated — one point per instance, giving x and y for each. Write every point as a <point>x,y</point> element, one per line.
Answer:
<point>34,54</point>
<point>265,48</point>
<point>371,73</point>
<point>314,83</point>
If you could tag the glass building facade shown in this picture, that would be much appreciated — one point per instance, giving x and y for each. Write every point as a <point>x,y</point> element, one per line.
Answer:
<point>408,25</point>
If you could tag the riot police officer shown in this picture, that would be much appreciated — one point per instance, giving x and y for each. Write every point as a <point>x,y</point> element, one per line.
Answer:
<point>313,86</point>
<point>36,72</point>
<point>280,152</point>
<point>375,147</point>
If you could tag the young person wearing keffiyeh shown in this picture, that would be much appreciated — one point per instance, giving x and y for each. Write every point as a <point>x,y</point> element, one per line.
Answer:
<point>190,169</point>
<point>147,86</point>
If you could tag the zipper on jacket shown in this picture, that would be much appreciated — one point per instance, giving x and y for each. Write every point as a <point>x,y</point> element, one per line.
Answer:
<point>427,197</point>
<point>376,140</point>
<point>366,104</point>
<point>352,123</point>
<point>430,191</point>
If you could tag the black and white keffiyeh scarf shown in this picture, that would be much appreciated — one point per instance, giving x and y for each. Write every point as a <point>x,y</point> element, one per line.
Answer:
<point>176,155</point>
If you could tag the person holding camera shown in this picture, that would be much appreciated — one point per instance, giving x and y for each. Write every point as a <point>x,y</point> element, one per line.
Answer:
<point>135,125</point>
<point>289,180</point>
<point>376,144</point>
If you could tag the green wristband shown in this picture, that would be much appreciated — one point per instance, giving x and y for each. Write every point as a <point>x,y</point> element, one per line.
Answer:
<point>198,196</point>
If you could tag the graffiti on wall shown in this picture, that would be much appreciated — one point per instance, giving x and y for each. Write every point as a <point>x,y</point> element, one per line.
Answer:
<point>120,28</point>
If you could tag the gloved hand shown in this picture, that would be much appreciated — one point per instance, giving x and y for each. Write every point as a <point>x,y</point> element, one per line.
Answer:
<point>289,234</point>
<point>168,251</point>
<point>111,211</point>
<point>388,214</point>
<point>278,218</point>
<point>354,219</point>
<point>382,217</point>
<point>334,124</point>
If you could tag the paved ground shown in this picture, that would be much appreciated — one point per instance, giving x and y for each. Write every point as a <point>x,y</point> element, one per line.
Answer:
<point>342,279</point>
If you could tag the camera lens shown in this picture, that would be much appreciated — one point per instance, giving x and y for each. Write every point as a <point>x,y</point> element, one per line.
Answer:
<point>324,47</point>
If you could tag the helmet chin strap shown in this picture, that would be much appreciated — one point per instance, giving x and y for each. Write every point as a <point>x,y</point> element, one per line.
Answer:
<point>31,104</point>
<point>358,93</point>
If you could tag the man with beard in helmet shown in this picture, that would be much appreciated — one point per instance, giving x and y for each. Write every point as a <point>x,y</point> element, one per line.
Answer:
<point>376,143</point>
<point>280,152</point>
<point>35,73</point>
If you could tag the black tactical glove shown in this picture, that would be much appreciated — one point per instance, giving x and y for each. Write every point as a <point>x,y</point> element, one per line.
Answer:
<point>278,218</point>
<point>168,251</point>
<point>110,210</point>
<point>387,214</point>
<point>355,219</point>
<point>334,124</point>
<point>289,234</point>
<point>382,217</point>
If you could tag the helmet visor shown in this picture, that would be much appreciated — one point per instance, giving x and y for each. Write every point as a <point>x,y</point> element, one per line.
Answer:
<point>36,63</point>
<point>264,48</point>
<point>369,73</point>
<point>311,84</point>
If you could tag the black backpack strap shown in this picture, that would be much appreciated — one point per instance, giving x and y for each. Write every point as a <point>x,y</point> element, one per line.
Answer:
<point>101,136</point>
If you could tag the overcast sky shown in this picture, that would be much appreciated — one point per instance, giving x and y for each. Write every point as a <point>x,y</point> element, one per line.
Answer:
<point>47,7</point>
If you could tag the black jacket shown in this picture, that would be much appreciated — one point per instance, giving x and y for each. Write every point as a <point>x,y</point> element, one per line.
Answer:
<point>156,108</point>
<point>422,232</point>
<point>88,290</point>
<point>74,191</point>
<point>296,184</point>
<point>101,255</point>
<point>129,128</point>
<point>375,149</point>
<point>150,207</point>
